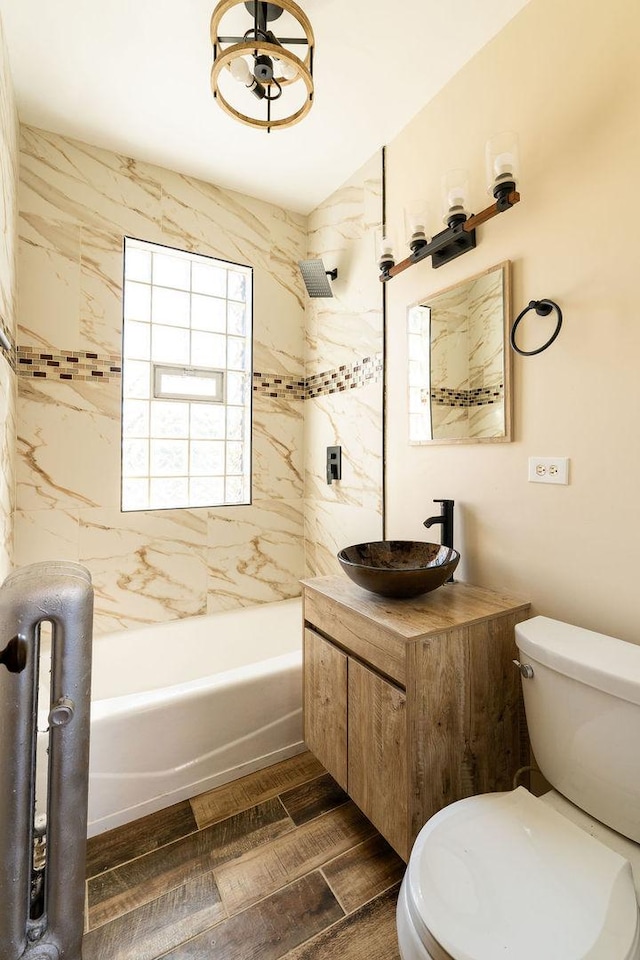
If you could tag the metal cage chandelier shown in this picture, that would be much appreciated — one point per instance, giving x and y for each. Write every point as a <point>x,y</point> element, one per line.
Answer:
<point>256,77</point>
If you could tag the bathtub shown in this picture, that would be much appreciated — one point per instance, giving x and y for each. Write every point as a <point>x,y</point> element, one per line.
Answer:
<point>181,707</point>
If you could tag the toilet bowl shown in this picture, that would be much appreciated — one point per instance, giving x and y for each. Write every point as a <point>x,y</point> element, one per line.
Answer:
<point>510,876</point>
<point>504,875</point>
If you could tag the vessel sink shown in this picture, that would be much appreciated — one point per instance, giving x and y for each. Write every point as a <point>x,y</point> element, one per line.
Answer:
<point>398,568</point>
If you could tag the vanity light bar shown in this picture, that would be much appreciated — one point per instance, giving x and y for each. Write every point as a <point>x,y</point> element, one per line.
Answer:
<point>451,242</point>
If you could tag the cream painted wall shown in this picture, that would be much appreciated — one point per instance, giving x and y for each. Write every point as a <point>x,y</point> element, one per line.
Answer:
<point>8,210</point>
<point>566,76</point>
<point>343,343</point>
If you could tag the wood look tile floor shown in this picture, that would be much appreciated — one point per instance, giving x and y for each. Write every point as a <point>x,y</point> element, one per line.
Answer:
<point>279,864</point>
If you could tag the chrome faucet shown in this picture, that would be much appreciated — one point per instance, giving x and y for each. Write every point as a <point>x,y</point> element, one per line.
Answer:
<point>445,517</point>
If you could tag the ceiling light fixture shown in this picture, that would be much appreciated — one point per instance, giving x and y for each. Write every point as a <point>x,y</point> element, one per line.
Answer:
<point>258,78</point>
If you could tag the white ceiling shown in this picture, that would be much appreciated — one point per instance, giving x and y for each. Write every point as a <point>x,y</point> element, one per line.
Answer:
<point>133,76</point>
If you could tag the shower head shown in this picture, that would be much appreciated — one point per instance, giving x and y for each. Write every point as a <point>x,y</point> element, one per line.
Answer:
<point>315,277</point>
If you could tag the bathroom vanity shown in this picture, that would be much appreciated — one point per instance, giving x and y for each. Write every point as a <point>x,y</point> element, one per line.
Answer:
<point>412,704</point>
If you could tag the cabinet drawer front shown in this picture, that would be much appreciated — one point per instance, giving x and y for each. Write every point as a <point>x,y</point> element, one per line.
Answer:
<point>325,704</point>
<point>378,753</point>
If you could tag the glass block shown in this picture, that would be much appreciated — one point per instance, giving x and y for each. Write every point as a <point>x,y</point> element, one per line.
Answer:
<point>171,271</point>
<point>170,307</point>
<point>206,491</point>
<point>167,493</point>
<point>135,494</point>
<point>415,400</point>
<point>237,289</point>
<point>169,419</point>
<point>236,313</point>
<point>205,278</point>
<point>236,387</point>
<point>169,345</point>
<point>207,458</point>
<point>169,458</point>
<point>235,490</point>
<point>137,264</point>
<point>137,301</point>
<point>207,421</point>
<point>137,340</point>
<point>135,418</point>
<point>136,380</point>
<point>235,458</point>
<point>236,353</point>
<point>135,458</point>
<point>208,349</point>
<point>235,423</point>
<point>209,313</point>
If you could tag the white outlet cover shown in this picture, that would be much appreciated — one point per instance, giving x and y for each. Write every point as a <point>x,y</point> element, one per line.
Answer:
<point>549,470</point>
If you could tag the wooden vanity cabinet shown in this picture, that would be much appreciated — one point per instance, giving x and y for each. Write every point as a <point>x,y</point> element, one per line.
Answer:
<point>412,704</point>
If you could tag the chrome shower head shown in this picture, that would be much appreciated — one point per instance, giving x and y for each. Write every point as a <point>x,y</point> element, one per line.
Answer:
<point>315,277</point>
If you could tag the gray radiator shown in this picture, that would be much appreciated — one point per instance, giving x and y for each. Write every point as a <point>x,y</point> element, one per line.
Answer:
<point>42,894</point>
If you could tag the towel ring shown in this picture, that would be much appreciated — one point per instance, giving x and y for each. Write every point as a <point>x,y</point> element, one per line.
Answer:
<point>543,308</point>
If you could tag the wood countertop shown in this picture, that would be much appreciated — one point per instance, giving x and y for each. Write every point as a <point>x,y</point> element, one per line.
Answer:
<point>452,605</point>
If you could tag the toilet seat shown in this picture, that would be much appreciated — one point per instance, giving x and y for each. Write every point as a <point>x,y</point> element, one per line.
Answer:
<point>504,875</point>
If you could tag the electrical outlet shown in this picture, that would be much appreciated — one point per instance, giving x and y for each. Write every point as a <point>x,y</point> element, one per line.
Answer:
<point>549,469</point>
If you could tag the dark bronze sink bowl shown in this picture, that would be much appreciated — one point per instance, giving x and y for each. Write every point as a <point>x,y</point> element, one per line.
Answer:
<point>398,568</point>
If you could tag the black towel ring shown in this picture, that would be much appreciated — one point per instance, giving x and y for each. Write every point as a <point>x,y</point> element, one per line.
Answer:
<point>543,308</point>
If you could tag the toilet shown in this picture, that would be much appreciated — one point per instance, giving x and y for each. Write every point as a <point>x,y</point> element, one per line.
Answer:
<point>511,876</point>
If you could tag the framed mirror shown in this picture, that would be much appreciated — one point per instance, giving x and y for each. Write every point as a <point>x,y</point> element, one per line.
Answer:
<point>460,361</point>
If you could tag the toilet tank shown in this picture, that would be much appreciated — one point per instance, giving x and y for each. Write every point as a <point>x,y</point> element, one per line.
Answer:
<point>583,713</point>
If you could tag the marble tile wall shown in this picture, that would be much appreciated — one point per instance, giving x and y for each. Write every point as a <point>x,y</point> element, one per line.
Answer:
<point>344,341</point>
<point>76,202</point>
<point>8,211</point>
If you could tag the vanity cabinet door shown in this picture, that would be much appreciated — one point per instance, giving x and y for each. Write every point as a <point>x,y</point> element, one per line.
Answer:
<point>325,704</point>
<point>378,753</point>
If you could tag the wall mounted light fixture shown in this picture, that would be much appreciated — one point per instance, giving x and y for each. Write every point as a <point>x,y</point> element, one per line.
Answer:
<point>257,78</point>
<point>459,235</point>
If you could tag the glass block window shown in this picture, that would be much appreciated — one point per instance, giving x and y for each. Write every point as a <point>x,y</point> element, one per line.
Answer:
<point>186,379</point>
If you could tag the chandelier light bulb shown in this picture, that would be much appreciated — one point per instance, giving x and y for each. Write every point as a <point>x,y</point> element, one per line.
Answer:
<point>503,166</point>
<point>288,70</point>
<point>240,71</point>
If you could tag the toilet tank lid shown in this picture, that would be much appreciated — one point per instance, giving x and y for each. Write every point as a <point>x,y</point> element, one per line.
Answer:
<point>603,662</point>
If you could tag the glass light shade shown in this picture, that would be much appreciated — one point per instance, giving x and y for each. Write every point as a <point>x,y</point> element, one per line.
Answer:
<point>502,160</point>
<point>240,71</point>
<point>386,251</point>
<point>416,220</point>
<point>455,193</point>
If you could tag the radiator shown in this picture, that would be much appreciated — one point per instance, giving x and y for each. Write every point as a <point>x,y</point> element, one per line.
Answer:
<point>42,868</point>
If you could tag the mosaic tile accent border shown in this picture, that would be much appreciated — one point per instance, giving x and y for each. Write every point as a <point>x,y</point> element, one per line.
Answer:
<point>79,365</point>
<point>70,365</point>
<point>478,397</point>
<point>346,377</point>
<point>280,386</point>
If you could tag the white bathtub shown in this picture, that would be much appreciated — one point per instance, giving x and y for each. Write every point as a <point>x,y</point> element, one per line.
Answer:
<point>181,707</point>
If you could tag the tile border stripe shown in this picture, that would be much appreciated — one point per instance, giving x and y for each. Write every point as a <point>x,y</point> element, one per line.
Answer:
<point>79,365</point>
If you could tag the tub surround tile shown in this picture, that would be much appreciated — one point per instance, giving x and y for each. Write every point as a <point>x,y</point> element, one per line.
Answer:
<point>312,799</point>
<point>140,837</point>
<point>277,449</point>
<point>269,929</point>
<point>273,865</point>
<point>143,880</point>
<point>146,568</point>
<point>157,927</point>
<point>367,934</point>
<point>255,788</point>
<point>43,534</point>
<point>54,419</point>
<point>331,526</point>
<point>254,553</point>
<point>364,872</point>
